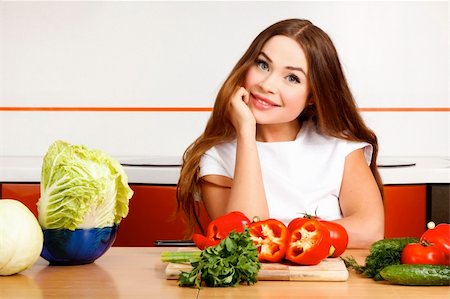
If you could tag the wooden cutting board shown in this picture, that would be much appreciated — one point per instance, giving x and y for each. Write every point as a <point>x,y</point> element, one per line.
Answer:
<point>331,269</point>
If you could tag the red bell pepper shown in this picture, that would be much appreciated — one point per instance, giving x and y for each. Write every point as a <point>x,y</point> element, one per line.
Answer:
<point>219,228</point>
<point>339,238</point>
<point>309,243</point>
<point>270,237</point>
<point>338,234</point>
<point>440,237</point>
<point>203,242</point>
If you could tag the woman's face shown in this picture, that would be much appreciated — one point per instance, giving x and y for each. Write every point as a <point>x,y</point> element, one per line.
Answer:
<point>277,82</point>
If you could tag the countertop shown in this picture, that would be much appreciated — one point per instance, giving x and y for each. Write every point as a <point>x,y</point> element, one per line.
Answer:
<point>164,170</point>
<point>137,272</point>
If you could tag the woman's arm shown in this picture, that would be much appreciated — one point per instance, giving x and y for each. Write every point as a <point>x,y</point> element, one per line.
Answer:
<point>361,202</point>
<point>245,192</point>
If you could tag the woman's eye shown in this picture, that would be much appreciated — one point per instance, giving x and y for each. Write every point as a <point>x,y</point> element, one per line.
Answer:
<point>262,65</point>
<point>293,78</point>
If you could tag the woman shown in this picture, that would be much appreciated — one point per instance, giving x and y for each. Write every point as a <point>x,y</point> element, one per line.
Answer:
<point>285,138</point>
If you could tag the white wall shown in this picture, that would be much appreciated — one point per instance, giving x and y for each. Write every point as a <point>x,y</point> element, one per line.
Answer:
<point>176,54</point>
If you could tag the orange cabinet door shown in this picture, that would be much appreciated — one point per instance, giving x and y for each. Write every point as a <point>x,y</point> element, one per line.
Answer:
<point>152,217</point>
<point>28,194</point>
<point>405,210</point>
<point>151,213</point>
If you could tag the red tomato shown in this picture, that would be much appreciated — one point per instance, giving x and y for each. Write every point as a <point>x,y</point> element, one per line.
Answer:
<point>422,254</point>
<point>338,234</point>
<point>309,243</point>
<point>270,237</point>
<point>440,237</point>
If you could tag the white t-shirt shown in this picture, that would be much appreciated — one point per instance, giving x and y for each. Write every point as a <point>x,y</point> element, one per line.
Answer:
<point>300,176</point>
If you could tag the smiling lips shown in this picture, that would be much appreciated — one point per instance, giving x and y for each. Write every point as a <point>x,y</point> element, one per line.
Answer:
<point>263,103</point>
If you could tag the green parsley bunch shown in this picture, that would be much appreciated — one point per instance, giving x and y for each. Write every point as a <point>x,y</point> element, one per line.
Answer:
<point>231,262</point>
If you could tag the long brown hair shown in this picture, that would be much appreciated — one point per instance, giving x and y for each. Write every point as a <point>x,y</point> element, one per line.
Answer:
<point>334,110</point>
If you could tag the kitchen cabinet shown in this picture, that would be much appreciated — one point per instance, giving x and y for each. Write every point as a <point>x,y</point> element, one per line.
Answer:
<point>28,194</point>
<point>438,205</point>
<point>151,216</point>
<point>405,210</point>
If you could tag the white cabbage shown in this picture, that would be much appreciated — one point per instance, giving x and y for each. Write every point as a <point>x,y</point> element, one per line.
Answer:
<point>21,237</point>
<point>81,188</point>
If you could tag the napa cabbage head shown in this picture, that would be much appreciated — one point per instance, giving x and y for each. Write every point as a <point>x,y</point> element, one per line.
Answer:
<point>81,188</point>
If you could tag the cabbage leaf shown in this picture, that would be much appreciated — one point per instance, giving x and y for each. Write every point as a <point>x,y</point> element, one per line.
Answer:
<point>81,188</point>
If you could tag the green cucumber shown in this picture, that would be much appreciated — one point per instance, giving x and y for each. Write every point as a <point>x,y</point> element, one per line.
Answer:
<point>417,275</point>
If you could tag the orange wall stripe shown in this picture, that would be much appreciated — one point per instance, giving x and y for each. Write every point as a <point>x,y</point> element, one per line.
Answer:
<point>110,109</point>
<point>404,109</point>
<point>196,109</point>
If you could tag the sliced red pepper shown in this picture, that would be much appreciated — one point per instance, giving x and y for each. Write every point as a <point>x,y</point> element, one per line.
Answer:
<point>203,242</point>
<point>440,237</point>
<point>219,228</point>
<point>309,243</point>
<point>339,238</point>
<point>338,234</point>
<point>270,237</point>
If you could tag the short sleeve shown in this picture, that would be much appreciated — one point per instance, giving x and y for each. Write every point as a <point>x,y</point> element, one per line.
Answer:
<point>354,145</point>
<point>212,164</point>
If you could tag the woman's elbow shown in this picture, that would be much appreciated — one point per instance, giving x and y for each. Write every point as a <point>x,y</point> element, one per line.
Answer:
<point>366,236</point>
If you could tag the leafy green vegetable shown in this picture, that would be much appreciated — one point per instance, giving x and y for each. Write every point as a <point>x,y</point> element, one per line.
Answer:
<point>81,188</point>
<point>233,261</point>
<point>382,253</point>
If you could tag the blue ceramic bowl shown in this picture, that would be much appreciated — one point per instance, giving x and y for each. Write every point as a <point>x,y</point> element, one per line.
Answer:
<point>78,247</point>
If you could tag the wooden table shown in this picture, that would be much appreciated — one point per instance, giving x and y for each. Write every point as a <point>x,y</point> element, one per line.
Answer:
<point>137,272</point>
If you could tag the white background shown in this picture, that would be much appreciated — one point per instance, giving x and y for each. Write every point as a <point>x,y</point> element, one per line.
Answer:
<point>177,54</point>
